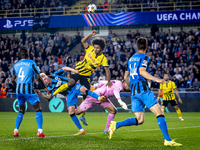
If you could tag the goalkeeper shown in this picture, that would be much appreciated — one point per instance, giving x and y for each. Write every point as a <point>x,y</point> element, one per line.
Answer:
<point>103,90</point>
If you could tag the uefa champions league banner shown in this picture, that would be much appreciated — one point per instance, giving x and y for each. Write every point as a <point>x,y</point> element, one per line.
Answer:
<point>105,19</point>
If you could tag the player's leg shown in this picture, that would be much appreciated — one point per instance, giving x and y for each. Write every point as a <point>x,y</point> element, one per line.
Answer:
<point>84,80</point>
<point>85,92</point>
<point>112,112</point>
<point>163,125</point>
<point>21,103</point>
<point>71,110</point>
<point>39,119</point>
<point>163,105</point>
<point>71,104</point>
<point>150,101</point>
<point>137,107</point>
<point>72,81</point>
<point>174,103</point>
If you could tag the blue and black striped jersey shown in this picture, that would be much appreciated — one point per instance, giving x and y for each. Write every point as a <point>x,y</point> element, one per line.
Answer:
<point>138,83</point>
<point>25,70</point>
<point>57,80</point>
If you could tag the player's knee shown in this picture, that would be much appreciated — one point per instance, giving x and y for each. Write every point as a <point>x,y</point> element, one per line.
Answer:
<point>71,83</point>
<point>140,121</point>
<point>38,110</point>
<point>113,111</point>
<point>22,111</point>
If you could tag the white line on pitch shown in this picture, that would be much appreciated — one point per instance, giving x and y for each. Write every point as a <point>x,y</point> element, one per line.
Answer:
<point>91,117</point>
<point>14,139</point>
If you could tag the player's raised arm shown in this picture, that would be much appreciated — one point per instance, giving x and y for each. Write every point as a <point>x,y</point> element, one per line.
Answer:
<point>84,40</point>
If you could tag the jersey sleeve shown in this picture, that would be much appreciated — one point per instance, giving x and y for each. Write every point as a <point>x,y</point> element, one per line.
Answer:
<point>173,85</point>
<point>89,48</point>
<point>35,68</point>
<point>50,90</point>
<point>59,72</point>
<point>105,62</point>
<point>144,62</point>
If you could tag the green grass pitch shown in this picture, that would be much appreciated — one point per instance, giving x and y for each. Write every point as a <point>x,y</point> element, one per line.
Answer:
<point>59,129</point>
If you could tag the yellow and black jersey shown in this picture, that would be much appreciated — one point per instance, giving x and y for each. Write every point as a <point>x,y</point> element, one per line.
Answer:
<point>91,61</point>
<point>168,90</point>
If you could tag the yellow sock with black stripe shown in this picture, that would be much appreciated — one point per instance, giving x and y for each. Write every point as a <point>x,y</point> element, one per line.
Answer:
<point>179,113</point>
<point>61,88</point>
<point>83,113</point>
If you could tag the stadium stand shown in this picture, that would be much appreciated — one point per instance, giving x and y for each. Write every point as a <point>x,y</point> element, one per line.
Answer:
<point>176,53</point>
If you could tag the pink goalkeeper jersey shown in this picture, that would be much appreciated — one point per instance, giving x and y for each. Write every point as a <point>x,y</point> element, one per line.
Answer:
<point>114,90</point>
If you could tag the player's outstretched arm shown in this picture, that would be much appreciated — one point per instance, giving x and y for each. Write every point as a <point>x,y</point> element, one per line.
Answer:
<point>42,82</point>
<point>48,96</point>
<point>146,75</point>
<point>70,69</point>
<point>84,40</point>
<point>117,95</point>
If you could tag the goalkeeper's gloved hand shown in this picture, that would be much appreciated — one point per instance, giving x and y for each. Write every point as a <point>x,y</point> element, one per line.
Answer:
<point>122,104</point>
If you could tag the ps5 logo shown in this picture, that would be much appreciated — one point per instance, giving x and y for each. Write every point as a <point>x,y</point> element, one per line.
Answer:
<point>18,23</point>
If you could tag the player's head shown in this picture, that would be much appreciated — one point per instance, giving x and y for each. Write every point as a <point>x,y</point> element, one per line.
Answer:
<point>45,78</point>
<point>3,84</point>
<point>99,45</point>
<point>142,44</point>
<point>166,77</point>
<point>125,86</point>
<point>23,53</point>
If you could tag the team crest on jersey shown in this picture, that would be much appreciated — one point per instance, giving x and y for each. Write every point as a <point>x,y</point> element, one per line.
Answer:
<point>144,63</point>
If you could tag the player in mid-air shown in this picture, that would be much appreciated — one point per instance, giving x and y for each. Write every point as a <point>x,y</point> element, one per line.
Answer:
<point>103,90</point>
<point>141,95</point>
<point>168,95</point>
<point>24,71</point>
<point>55,81</point>
<point>92,60</point>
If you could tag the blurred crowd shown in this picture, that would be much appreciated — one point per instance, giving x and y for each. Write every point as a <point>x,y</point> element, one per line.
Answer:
<point>28,6</point>
<point>57,6</point>
<point>174,53</point>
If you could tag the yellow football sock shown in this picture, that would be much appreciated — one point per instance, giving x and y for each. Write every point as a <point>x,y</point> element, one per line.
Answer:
<point>61,88</point>
<point>83,113</point>
<point>163,110</point>
<point>179,113</point>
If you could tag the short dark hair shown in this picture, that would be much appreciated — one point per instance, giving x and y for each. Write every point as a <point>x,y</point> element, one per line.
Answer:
<point>99,41</point>
<point>23,52</point>
<point>142,43</point>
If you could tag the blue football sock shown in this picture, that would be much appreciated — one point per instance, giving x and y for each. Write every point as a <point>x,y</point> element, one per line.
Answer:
<point>163,127</point>
<point>127,122</point>
<point>76,121</point>
<point>18,120</point>
<point>93,94</point>
<point>39,119</point>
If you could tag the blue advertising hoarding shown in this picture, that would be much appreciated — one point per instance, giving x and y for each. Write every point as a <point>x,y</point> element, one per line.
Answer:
<point>106,19</point>
<point>16,23</point>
